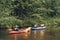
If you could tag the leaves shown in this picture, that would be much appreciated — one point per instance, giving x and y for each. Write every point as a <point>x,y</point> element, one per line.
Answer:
<point>14,12</point>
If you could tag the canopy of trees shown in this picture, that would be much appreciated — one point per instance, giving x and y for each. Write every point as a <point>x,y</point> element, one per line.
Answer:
<point>28,12</point>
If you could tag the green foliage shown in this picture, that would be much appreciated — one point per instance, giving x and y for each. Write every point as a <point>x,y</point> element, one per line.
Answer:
<point>28,12</point>
<point>11,21</point>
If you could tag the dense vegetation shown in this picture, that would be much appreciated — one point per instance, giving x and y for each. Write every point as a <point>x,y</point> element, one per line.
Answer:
<point>28,12</point>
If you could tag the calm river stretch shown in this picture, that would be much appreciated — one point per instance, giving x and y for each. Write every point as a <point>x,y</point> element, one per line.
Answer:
<point>32,35</point>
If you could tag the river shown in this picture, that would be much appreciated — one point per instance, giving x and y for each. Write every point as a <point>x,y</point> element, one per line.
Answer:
<point>32,35</point>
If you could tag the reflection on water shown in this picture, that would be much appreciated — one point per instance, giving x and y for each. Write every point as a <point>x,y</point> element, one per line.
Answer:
<point>14,36</point>
<point>22,36</point>
<point>35,34</point>
<point>38,34</point>
<point>41,34</point>
<point>32,35</point>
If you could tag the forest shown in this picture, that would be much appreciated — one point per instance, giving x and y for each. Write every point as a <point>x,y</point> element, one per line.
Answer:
<point>29,12</point>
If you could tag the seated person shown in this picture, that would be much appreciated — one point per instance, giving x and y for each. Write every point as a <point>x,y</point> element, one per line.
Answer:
<point>42,25</point>
<point>35,25</point>
<point>16,28</point>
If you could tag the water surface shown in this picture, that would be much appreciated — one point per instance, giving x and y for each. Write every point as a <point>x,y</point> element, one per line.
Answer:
<point>32,35</point>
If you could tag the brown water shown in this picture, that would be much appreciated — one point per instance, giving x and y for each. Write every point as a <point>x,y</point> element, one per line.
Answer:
<point>32,35</point>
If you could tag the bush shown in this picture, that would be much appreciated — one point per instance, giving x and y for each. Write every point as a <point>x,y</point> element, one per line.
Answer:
<point>10,21</point>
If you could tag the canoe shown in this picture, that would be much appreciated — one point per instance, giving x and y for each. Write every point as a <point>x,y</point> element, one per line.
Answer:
<point>15,32</point>
<point>20,31</point>
<point>38,28</point>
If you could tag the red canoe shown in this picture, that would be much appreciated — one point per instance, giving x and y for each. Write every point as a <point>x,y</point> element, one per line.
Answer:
<point>20,31</point>
<point>15,32</point>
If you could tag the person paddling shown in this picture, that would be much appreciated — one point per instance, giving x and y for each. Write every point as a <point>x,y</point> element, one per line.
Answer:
<point>35,25</point>
<point>16,28</point>
<point>42,25</point>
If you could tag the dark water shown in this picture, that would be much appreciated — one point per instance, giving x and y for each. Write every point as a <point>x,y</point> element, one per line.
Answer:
<point>32,35</point>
